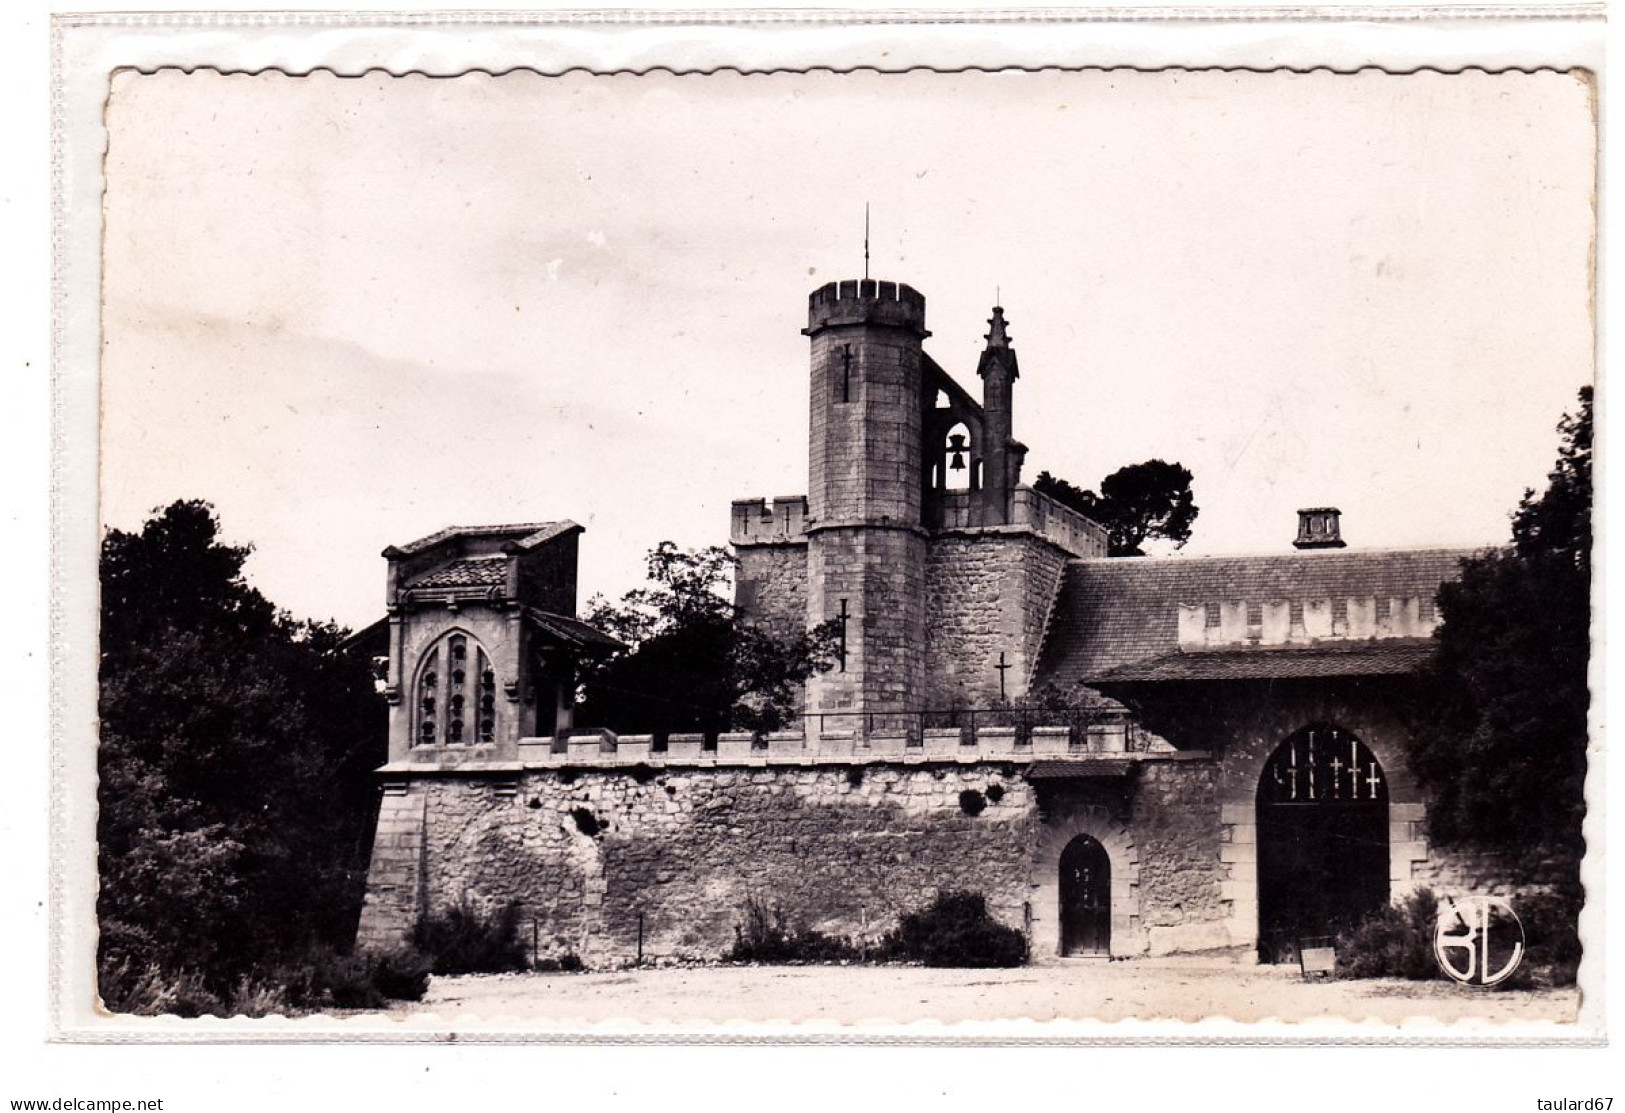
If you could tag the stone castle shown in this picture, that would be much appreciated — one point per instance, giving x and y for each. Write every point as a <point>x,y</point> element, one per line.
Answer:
<point>1227,771</point>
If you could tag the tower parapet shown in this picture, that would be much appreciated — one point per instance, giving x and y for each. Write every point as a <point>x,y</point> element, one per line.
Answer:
<point>780,521</point>
<point>866,302</point>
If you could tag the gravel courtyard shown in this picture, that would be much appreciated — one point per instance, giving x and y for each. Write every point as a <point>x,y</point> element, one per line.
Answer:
<point>1186,988</point>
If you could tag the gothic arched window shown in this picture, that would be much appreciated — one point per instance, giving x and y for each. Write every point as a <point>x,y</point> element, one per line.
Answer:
<point>456,693</point>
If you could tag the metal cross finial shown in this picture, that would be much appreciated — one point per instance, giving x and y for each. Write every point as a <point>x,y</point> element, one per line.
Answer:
<point>866,241</point>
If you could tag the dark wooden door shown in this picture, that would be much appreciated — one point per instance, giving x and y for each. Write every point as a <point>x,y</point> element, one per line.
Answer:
<point>1322,840</point>
<point>1086,898</point>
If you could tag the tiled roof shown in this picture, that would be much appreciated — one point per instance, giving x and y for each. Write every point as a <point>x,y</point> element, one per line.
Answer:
<point>1114,611</point>
<point>526,535</point>
<point>1080,767</point>
<point>1375,657</point>
<point>570,631</point>
<point>486,571</point>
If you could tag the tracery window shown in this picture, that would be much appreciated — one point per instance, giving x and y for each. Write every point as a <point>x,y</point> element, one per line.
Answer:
<point>456,693</point>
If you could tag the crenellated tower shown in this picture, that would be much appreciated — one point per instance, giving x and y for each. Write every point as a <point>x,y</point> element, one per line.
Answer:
<point>866,540</point>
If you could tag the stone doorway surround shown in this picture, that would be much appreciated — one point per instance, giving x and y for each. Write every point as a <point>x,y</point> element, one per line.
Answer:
<point>1128,935</point>
<point>1240,770</point>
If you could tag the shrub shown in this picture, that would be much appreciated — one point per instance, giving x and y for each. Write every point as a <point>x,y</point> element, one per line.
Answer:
<point>1395,941</point>
<point>564,964</point>
<point>995,793</point>
<point>461,940</point>
<point>339,980</point>
<point>1551,928</point>
<point>401,974</point>
<point>766,936</point>
<point>972,802</point>
<point>587,823</point>
<point>956,930</point>
<point>147,989</point>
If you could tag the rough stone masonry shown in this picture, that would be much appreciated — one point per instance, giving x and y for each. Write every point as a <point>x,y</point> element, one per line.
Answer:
<point>1220,764</point>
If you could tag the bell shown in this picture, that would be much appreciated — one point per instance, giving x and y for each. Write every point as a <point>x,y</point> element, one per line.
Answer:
<point>956,446</point>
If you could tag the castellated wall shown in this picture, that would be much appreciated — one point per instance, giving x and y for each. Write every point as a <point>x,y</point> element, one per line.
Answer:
<point>840,850</point>
<point>987,592</point>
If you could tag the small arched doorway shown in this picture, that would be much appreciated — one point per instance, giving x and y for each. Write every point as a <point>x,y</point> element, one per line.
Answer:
<point>1322,839</point>
<point>1086,898</point>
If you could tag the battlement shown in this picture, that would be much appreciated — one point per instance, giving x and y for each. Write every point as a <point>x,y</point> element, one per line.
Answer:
<point>866,302</point>
<point>1230,623</point>
<point>778,521</point>
<point>951,746</point>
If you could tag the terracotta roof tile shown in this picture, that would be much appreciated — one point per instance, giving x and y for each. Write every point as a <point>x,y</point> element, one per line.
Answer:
<point>1383,657</point>
<point>1114,611</point>
<point>488,571</point>
<point>525,535</point>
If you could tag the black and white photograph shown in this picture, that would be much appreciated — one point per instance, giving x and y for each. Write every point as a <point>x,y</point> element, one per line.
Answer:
<point>1067,550</point>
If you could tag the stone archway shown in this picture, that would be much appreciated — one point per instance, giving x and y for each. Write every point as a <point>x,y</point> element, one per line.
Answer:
<point>1127,936</point>
<point>1244,765</point>
<point>1322,839</point>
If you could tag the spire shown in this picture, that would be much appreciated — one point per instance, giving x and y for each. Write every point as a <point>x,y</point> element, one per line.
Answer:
<point>996,336</point>
<point>998,353</point>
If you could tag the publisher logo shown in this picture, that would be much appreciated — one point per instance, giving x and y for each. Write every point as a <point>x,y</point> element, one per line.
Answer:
<point>1478,941</point>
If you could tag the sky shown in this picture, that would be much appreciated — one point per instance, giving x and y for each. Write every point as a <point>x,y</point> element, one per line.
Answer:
<point>351,311</point>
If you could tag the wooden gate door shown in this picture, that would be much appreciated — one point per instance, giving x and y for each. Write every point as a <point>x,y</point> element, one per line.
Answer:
<point>1322,840</point>
<point>1086,898</point>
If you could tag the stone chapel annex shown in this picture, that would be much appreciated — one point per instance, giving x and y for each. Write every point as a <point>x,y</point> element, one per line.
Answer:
<point>1238,779</point>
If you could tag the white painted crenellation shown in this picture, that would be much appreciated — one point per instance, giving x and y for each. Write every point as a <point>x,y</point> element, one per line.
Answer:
<point>1363,619</point>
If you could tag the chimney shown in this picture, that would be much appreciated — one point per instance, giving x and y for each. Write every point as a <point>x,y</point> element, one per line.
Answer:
<point>1319,527</point>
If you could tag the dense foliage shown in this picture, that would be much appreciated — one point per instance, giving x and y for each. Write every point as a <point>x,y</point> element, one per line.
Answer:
<point>1395,941</point>
<point>1500,740</point>
<point>692,665</point>
<point>956,929</point>
<point>235,755</point>
<point>1136,504</point>
<point>460,940</point>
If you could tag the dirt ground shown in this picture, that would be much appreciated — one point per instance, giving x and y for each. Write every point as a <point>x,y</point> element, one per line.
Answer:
<point>1190,988</point>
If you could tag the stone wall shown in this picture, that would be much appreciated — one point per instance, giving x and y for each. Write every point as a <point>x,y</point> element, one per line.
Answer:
<point>1461,872</point>
<point>878,573</point>
<point>586,853</point>
<point>770,587</point>
<point>1177,829</point>
<point>987,592</point>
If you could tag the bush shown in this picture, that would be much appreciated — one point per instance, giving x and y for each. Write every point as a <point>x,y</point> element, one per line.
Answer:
<point>146,989</point>
<point>564,964</point>
<point>1394,942</point>
<point>461,940</point>
<point>956,930</point>
<point>766,936</point>
<point>1551,928</point>
<point>972,802</point>
<point>401,974</point>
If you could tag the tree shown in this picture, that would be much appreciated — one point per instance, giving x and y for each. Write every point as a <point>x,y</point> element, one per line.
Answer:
<point>1136,504</point>
<point>691,664</point>
<point>235,756</point>
<point>1500,736</point>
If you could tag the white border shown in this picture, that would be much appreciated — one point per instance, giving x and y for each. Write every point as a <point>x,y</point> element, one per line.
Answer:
<point>87,48</point>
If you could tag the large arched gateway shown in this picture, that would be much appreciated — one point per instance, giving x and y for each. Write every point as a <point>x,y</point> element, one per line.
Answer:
<point>1322,839</point>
